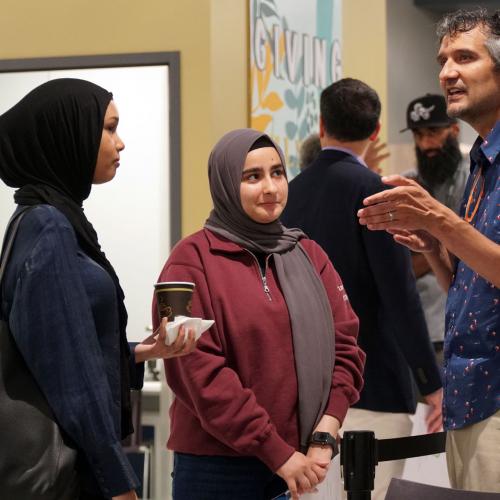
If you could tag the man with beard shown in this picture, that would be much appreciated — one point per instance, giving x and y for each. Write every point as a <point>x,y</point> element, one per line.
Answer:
<point>442,172</point>
<point>464,251</point>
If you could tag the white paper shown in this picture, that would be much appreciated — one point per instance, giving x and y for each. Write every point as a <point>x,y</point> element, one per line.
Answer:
<point>198,325</point>
<point>429,469</point>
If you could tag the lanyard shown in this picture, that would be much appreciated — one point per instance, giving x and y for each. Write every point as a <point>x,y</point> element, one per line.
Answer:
<point>475,196</point>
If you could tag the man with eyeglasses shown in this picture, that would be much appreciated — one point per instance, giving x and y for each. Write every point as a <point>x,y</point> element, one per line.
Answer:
<point>464,251</point>
<point>441,170</point>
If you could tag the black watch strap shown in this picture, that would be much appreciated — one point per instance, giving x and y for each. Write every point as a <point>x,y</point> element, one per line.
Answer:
<point>325,439</point>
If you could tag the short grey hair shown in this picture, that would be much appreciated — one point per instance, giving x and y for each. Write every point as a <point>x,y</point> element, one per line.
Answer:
<point>309,150</point>
<point>462,21</point>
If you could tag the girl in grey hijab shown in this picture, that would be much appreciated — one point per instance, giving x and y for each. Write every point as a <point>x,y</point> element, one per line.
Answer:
<point>308,306</point>
<point>243,235</point>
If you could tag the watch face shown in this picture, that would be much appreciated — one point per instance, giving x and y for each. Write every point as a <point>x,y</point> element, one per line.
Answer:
<point>325,439</point>
<point>322,436</point>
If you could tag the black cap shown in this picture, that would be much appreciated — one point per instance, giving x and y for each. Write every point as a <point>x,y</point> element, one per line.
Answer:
<point>427,111</point>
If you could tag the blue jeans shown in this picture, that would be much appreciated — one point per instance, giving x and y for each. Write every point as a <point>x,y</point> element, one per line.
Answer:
<point>198,477</point>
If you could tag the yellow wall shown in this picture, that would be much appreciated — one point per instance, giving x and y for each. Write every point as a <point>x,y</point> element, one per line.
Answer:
<point>364,47</point>
<point>210,34</point>
<point>212,38</point>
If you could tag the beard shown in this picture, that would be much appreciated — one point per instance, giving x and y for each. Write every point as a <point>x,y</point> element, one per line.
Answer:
<point>434,170</point>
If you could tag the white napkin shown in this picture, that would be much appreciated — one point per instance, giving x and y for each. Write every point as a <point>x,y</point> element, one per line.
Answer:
<point>198,325</point>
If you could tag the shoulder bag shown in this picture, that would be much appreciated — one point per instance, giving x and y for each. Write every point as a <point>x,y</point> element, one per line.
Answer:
<point>36,461</point>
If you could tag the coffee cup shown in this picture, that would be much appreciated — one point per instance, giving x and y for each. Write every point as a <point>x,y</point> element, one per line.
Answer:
<point>174,298</point>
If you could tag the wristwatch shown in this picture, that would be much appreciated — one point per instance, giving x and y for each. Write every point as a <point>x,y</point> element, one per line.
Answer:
<point>325,439</point>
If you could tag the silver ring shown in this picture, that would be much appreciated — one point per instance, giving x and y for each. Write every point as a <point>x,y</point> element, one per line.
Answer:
<point>391,216</point>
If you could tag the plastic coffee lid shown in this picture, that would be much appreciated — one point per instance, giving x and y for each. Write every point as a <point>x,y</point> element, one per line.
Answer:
<point>187,283</point>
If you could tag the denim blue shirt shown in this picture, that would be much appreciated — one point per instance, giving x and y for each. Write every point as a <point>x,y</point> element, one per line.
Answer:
<point>472,342</point>
<point>62,312</point>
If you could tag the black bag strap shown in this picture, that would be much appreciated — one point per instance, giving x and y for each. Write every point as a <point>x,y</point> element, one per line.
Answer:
<point>8,242</point>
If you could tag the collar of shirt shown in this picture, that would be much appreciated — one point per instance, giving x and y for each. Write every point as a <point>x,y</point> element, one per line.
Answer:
<point>348,151</point>
<point>485,152</point>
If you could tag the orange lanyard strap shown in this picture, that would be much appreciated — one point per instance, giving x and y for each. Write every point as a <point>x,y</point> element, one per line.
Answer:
<point>470,217</point>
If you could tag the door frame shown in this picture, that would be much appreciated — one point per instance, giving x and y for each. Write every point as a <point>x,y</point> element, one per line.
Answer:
<point>170,59</point>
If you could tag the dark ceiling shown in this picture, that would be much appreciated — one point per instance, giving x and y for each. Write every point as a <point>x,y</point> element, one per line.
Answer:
<point>451,5</point>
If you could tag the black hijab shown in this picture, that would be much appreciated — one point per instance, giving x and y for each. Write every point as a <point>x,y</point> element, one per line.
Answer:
<point>306,298</point>
<point>49,142</point>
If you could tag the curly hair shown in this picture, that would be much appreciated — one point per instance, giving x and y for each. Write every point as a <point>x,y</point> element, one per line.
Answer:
<point>462,21</point>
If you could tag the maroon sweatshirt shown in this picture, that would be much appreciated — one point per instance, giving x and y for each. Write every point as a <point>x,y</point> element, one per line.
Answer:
<point>236,394</point>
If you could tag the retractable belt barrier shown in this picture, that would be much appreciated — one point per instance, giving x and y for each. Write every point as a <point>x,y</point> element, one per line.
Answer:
<point>360,453</point>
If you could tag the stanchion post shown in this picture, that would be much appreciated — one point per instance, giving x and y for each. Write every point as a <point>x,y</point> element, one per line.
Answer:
<point>358,459</point>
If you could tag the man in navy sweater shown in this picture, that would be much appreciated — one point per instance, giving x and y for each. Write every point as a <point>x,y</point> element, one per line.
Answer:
<point>377,274</point>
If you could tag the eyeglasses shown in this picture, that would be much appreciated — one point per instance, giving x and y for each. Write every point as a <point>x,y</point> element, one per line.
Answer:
<point>475,196</point>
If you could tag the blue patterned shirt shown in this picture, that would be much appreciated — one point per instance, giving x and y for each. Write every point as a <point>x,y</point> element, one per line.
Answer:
<point>472,341</point>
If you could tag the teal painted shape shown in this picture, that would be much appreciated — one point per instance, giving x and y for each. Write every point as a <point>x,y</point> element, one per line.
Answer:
<point>324,17</point>
<point>324,28</point>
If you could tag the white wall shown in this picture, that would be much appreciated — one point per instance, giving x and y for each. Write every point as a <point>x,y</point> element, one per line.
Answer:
<point>412,71</point>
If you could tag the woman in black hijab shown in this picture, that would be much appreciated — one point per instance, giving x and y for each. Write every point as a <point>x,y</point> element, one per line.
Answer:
<point>258,405</point>
<point>60,294</point>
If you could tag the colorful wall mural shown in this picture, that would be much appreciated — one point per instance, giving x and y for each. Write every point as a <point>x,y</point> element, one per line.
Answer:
<point>295,48</point>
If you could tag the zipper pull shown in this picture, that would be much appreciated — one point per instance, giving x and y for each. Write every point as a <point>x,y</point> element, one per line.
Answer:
<point>266,288</point>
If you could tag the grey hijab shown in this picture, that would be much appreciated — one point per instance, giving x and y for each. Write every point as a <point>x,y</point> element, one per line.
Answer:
<point>306,298</point>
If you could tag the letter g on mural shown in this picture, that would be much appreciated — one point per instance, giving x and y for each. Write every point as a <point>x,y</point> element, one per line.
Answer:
<point>295,52</point>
